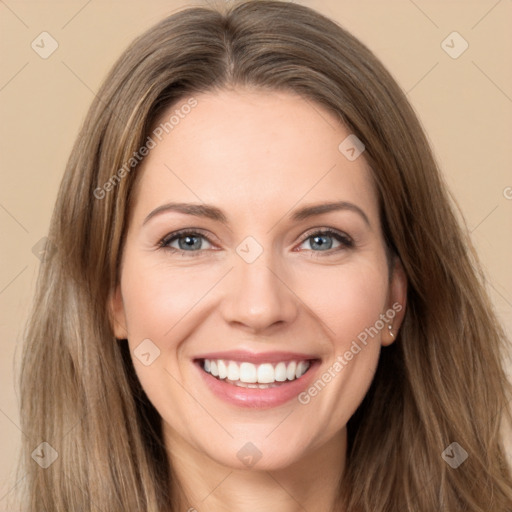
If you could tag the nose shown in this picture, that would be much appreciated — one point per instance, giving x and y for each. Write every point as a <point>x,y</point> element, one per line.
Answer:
<point>258,297</point>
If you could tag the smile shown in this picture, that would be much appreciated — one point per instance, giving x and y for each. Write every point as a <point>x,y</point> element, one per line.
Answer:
<point>249,375</point>
<point>257,381</point>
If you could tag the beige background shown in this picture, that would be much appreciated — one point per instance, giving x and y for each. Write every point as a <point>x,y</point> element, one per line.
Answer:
<point>465,105</point>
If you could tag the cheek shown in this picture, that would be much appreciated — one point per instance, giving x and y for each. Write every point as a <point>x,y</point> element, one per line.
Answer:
<point>165,305</point>
<point>157,298</point>
<point>160,305</point>
<point>350,306</point>
<point>348,300</point>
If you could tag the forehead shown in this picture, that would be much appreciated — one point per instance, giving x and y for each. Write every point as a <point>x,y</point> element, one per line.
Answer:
<point>251,153</point>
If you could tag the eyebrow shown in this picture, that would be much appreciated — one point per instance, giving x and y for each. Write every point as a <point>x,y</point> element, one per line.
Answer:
<point>216,214</point>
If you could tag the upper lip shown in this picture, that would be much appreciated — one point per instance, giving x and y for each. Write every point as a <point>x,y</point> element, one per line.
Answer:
<point>257,358</point>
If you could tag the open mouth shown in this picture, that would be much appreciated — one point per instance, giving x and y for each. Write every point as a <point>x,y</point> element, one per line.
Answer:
<point>255,376</point>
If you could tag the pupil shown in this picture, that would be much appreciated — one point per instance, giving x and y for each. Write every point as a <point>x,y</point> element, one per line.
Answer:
<point>322,244</point>
<point>189,242</point>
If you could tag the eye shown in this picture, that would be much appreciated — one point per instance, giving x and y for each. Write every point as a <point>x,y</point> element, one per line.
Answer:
<point>187,242</point>
<point>191,243</point>
<point>322,241</point>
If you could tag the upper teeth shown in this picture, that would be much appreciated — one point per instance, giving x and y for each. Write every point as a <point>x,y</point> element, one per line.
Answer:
<point>250,373</point>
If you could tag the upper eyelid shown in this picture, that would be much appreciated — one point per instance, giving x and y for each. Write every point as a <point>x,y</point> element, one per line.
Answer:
<point>325,230</point>
<point>186,231</point>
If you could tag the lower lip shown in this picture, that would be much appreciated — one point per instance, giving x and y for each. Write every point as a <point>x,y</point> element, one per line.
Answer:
<point>258,398</point>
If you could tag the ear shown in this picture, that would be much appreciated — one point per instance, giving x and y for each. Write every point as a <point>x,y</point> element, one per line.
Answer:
<point>117,315</point>
<point>397,301</point>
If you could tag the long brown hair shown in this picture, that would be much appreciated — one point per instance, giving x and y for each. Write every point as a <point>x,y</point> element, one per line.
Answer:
<point>440,382</point>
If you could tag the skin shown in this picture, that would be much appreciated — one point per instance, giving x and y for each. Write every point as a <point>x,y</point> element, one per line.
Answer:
<point>258,156</point>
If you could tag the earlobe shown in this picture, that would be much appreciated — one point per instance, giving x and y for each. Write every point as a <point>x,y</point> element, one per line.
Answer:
<point>117,315</point>
<point>397,301</point>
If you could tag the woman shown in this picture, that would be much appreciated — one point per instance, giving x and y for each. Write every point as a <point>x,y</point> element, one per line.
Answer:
<point>260,296</point>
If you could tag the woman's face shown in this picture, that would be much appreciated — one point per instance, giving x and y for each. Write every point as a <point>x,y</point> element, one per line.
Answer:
<point>258,285</point>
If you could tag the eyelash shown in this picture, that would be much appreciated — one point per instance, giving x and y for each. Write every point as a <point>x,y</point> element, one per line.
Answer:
<point>345,241</point>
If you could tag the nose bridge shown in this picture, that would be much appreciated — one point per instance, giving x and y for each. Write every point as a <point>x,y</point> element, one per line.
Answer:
<point>257,295</point>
